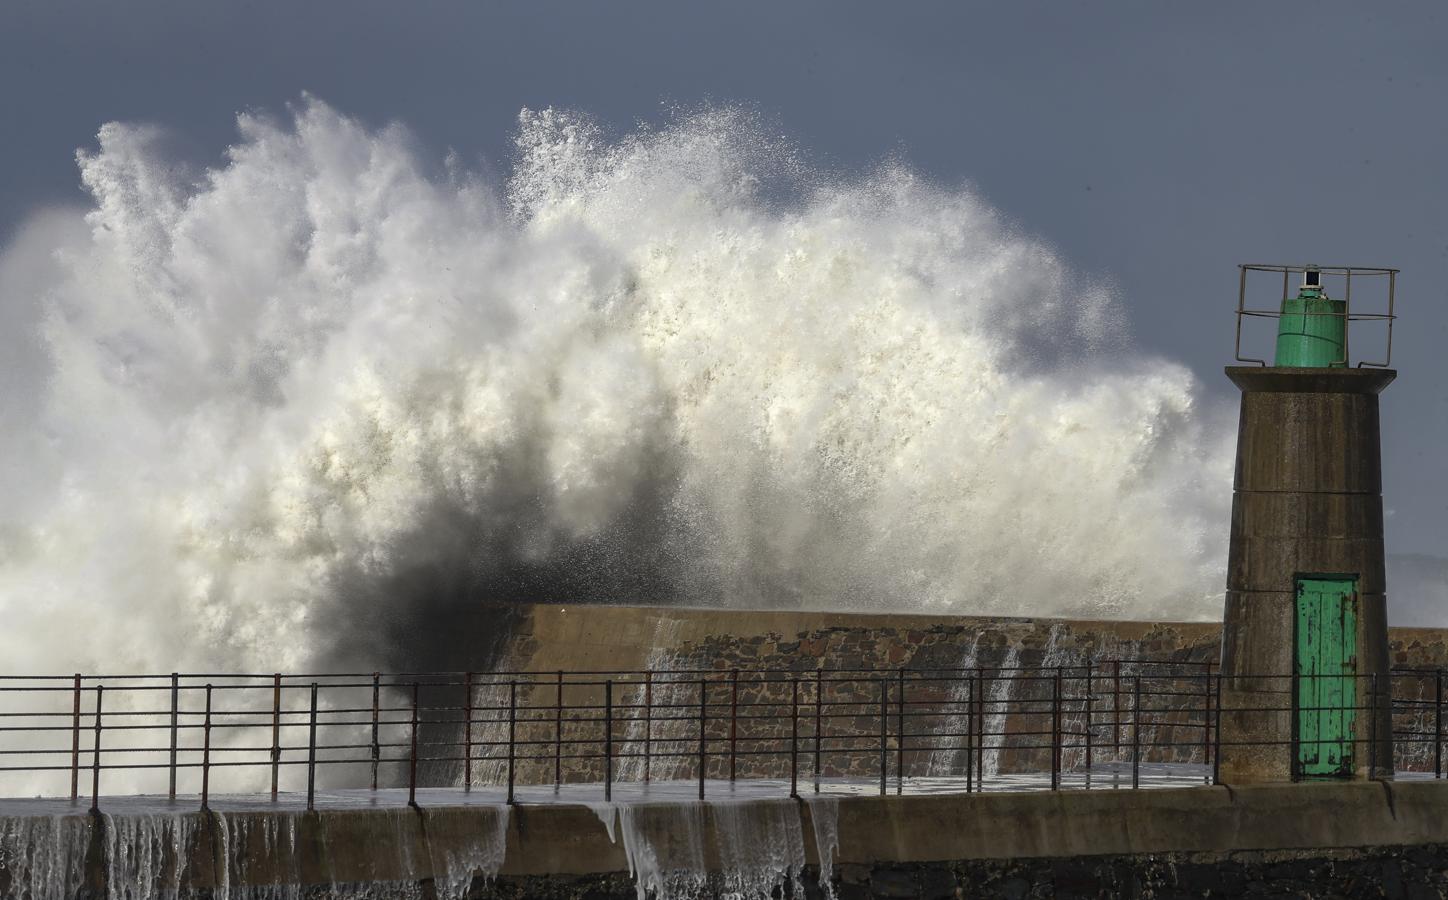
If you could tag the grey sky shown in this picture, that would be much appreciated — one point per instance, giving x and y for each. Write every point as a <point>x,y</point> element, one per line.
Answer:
<point>1156,144</point>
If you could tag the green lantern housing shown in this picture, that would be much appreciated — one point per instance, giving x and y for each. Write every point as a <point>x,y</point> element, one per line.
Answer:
<point>1312,332</point>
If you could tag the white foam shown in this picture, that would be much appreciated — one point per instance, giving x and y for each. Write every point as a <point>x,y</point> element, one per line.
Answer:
<point>270,387</point>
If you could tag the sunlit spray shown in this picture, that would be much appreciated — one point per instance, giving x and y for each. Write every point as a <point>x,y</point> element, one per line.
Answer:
<point>318,403</point>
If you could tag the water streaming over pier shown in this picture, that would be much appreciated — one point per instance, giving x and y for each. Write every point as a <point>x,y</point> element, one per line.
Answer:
<point>745,841</point>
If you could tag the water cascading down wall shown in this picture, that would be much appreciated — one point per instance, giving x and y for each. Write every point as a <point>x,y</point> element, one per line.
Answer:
<point>1304,639</point>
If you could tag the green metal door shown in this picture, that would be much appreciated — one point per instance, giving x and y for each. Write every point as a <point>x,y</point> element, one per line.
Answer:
<point>1326,666</point>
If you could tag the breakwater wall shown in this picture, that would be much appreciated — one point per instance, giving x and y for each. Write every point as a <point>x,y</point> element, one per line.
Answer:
<point>1309,838</point>
<point>1012,706</point>
<point>548,637</point>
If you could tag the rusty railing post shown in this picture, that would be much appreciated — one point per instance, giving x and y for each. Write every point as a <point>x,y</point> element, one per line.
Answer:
<point>1373,728</point>
<point>969,733</point>
<point>734,723</point>
<point>1294,757</point>
<point>376,727</point>
<point>900,735</point>
<point>1056,730</point>
<point>175,716</point>
<point>412,752</point>
<point>468,733</point>
<point>1438,724</point>
<point>1136,732</point>
<point>818,725</point>
<point>512,736</point>
<point>312,751</point>
<point>1116,707</point>
<point>96,755</point>
<point>1217,734</point>
<point>607,740</point>
<point>558,735</point>
<point>884,735</point>
<point>1207,713</point>
<point>703,736</point>
<point>648,725</point>
<point>206,753</point>
<point>1090,710</point>
<point>980,729</point>
<point>276,750</point>
<point>793,739</point>
<point>75,742</point>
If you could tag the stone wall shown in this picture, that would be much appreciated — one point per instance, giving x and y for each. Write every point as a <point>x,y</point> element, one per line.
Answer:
<point>545,638</point>
<point>929,662</point>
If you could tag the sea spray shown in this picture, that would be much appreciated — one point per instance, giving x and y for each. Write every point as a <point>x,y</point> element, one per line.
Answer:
<point>312,405</point>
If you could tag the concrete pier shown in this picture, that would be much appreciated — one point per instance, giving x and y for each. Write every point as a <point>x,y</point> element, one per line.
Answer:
<point>911,846</point>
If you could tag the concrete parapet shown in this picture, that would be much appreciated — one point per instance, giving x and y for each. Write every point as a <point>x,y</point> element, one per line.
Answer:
<point>458,850</point>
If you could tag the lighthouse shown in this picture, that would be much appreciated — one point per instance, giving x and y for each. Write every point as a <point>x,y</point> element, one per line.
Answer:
<point>1305,690</point>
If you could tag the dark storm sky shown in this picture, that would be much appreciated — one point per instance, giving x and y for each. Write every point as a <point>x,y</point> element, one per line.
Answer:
<point>1155,144</point>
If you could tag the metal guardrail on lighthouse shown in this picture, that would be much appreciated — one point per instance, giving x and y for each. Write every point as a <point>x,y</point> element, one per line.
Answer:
<point>1323,304</point>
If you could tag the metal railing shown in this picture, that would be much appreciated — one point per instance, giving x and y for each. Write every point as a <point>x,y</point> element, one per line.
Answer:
<point>1348,315</point>
<point>961,729</point>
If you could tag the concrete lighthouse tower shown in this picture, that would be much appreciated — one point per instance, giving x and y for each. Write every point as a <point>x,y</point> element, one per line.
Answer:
<point>1305,690</point>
